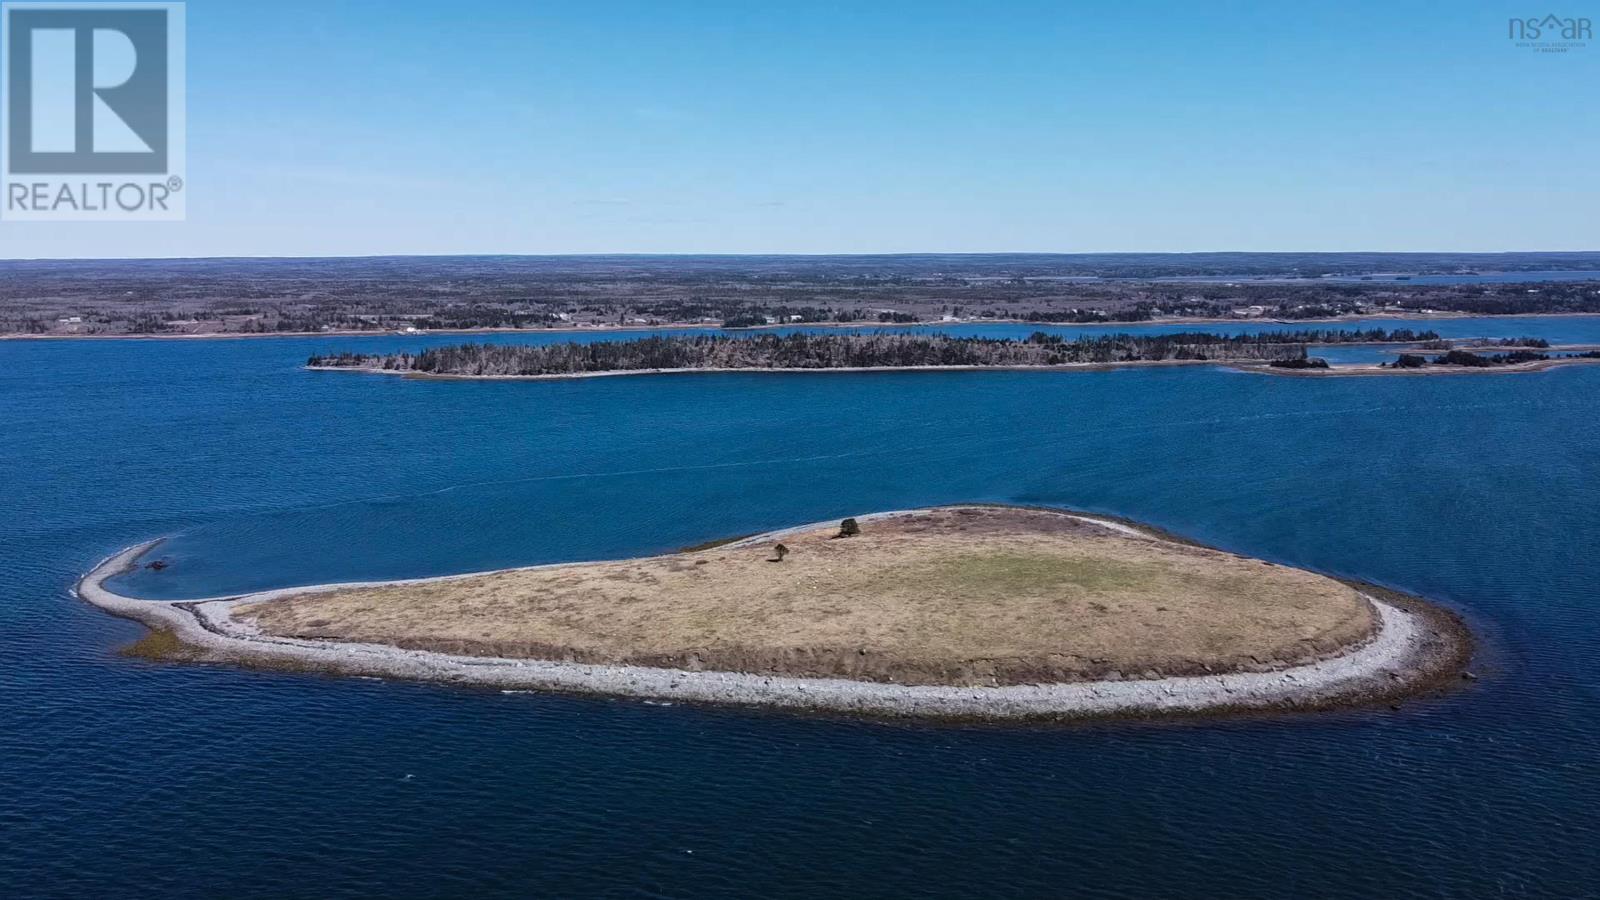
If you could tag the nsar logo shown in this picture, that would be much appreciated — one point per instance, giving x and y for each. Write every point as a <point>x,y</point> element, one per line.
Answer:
<point>1550,34</point>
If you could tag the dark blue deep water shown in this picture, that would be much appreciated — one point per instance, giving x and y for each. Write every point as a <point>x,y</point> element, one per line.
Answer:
<point>124,778</point>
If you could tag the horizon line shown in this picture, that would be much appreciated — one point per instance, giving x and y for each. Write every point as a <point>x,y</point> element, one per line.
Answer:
<point>793,255</point>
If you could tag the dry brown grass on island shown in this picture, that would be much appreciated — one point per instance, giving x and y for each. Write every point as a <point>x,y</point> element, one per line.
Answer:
<point>969,596</point>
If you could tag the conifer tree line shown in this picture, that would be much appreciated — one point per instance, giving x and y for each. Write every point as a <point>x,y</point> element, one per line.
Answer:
<point>842,351</point>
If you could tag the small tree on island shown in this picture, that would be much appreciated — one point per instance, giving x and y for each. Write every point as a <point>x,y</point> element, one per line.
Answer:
<point>780,552</point>
<point>849,528</point>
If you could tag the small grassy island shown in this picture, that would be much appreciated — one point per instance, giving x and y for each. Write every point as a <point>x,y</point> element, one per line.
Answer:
<point>983,612</point>
<point>850,352</point>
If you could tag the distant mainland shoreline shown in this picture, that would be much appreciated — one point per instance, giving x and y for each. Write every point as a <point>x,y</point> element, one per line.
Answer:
<point>193,298</point>
<point>1345,319</point>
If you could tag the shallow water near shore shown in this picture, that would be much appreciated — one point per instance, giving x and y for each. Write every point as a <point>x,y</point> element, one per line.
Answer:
<point>124,777</point>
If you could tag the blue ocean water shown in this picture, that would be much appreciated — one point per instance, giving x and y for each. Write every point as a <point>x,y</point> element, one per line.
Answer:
<point>124,778</point>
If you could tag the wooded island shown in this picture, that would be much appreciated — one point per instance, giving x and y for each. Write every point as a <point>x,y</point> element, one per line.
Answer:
<point>853,351</point>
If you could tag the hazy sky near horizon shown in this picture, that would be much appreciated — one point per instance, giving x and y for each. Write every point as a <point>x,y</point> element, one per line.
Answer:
<point>495,126</point>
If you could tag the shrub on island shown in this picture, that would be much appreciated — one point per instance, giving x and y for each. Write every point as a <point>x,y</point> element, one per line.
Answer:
<point>1304,362</point>
<point>1475,361</point>
<point>1463,358</point>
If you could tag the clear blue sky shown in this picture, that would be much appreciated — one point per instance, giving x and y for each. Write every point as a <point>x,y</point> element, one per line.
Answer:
<point>333,127</point>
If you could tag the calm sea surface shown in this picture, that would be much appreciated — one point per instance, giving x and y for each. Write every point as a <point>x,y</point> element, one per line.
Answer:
<point>122,778</point>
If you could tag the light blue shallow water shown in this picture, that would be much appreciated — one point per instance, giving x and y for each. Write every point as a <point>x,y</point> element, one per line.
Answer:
<point>124,778</point>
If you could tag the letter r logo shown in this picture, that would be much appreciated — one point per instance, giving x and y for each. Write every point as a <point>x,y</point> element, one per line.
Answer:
<point>87,90</point>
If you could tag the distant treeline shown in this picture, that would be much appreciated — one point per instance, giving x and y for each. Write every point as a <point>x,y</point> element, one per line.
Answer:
<point>1338,336</point>
<point>1468,359</point>
<point>1484,343</point>
<point>841,351</point>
